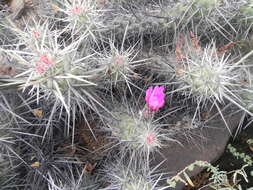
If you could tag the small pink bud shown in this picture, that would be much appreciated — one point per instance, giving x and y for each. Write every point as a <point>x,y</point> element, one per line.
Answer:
<point>44,58</point>
<point>150,138</point>
<point>43,63</point>
<point>155,97</point>
<point>36,34</point>
<point>40,67</point>
<point>76,10</point>
<point>119,60</point>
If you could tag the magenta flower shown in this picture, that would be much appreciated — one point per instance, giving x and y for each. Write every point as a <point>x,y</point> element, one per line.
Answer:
<point>155,97</point>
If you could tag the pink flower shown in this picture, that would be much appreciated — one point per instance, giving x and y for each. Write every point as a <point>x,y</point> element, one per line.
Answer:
<point>155,97</point>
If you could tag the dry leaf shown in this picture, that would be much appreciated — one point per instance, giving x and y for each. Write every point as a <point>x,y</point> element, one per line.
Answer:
<point>88,168</point>
<point>205,116</point>
<point>67,148</point>
<point>55,8</point>
<point>147,78</point>
<point>250,143</point>
<point>38,112</point>
<point>188,179</point>
<point>136,76</point>
<point>179,69</point>
<point>35,164</point>
<point>225,47</point>
<point>179,53</point>
<point>102,2</point>
<point>195,41</point>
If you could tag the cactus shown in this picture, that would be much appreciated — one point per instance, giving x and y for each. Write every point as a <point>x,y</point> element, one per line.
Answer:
<point>127,176</point>
<point>207,74</point>
<point>136,135</point>
<point>80,15</point>
<point>71,181</point>
<point>63,61</point>
<point>119,65</point>
<point>247,10</point>
<point>49,69</point>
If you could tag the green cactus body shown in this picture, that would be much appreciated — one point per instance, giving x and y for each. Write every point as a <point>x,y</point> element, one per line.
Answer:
<point>81,15</point>
<point>206,74</point>
<point>247,98</point>
<point>61,67</point>
<point>204,7</point>
<point>204,80</point>
<point>137,183</point>
<point>207,4</point>
<point>129,177</point>
<point>118,65</point>
<point>177,10</point>
<point>82,20</point>
<point>136,134</point>
<point>127,127</point>
<point>247,10</point>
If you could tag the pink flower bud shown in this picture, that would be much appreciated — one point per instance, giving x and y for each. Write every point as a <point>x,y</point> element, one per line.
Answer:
<point>76,10</point>
<point>119,60</point>
<point>43,64</point>
<point>151,138</point>
<point>44,58</point>
<point>155,97</point>
<point>36,34</point>
<point>40,67</point>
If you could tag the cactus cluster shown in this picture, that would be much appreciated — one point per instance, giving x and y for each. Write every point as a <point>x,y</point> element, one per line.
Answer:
<point>130,177</point>
<point>92,91</point>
